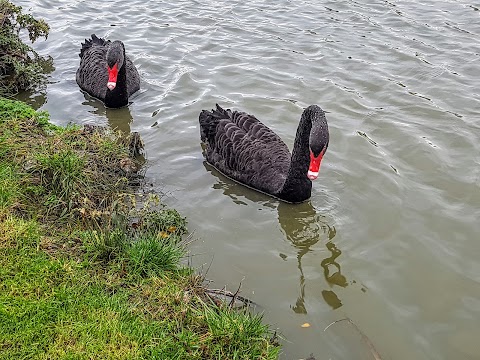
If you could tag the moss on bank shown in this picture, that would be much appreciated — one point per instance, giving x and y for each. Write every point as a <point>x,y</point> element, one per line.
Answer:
<point>91,269</point>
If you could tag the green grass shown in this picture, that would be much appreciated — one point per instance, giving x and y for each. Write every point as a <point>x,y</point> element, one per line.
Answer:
<point>88,268</point>
<point>9,188</point>
<point>12,111</point>
<point>150,256</point>
<point>62,309</point>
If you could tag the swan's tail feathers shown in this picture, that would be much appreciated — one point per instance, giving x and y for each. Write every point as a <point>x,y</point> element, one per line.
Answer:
<point>206,124</point>
<point>89,43</point>
<point>99,41</point>
<point>221,112</point>
<point>209,120</point>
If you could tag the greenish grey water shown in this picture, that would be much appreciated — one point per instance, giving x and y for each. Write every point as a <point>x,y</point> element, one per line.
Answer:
<point>390,238</point>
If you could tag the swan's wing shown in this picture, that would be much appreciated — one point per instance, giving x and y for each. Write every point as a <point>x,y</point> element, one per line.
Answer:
<point>248,127</point>
<point>243,148</point>
<point>253,140</point>
<point>133,78</point>
<point>92,74</point>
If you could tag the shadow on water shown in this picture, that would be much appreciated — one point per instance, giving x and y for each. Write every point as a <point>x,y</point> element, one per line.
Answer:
<point>236,191</point>
<point>118,119</point>
<point>37,97</point>
<point>303,227</point>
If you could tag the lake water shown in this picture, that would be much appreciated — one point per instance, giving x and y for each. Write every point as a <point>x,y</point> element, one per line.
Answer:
<point>391,236</point>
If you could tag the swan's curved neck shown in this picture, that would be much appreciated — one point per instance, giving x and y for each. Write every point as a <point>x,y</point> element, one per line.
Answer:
<point>300,152</point>
<point>297,186</point>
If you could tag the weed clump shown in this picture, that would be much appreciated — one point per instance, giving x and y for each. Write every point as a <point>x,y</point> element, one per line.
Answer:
<point>21,68</point>
<point>73,174</point>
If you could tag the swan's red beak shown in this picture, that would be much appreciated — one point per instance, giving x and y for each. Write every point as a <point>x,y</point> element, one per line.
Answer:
<point>112,76</point>
<point>314,167</point>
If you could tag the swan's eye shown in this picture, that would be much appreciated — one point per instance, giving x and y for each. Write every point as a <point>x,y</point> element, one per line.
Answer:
<point>324,150</point>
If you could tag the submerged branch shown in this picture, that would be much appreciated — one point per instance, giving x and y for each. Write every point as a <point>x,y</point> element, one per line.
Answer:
<point>365,338</point>
<point>234,296</point>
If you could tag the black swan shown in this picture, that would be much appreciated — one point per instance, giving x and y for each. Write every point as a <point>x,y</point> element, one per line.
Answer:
<point>244,149</point>
<point>106,73</point>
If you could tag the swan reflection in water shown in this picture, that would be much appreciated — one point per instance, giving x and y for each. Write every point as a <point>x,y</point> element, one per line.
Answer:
<point>118,119</point>
<point>303,227</point>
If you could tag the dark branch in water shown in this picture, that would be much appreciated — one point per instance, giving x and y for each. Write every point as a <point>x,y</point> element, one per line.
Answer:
<point>232,302</point>
<point>365,338</point>
<point>234,296</point>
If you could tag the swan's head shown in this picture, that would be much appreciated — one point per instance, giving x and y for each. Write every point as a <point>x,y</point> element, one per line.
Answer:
<point>115,60</point>
<point>318,140</point>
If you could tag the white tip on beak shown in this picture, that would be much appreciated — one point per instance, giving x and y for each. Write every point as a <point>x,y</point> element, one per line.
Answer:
<point>111,85</point>
<point>312,175</point>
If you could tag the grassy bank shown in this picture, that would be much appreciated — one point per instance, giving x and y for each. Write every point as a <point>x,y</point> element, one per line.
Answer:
<point>90,268</point>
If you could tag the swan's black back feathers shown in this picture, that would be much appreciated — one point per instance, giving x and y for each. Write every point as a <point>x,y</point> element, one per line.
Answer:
<point>243,148</point>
